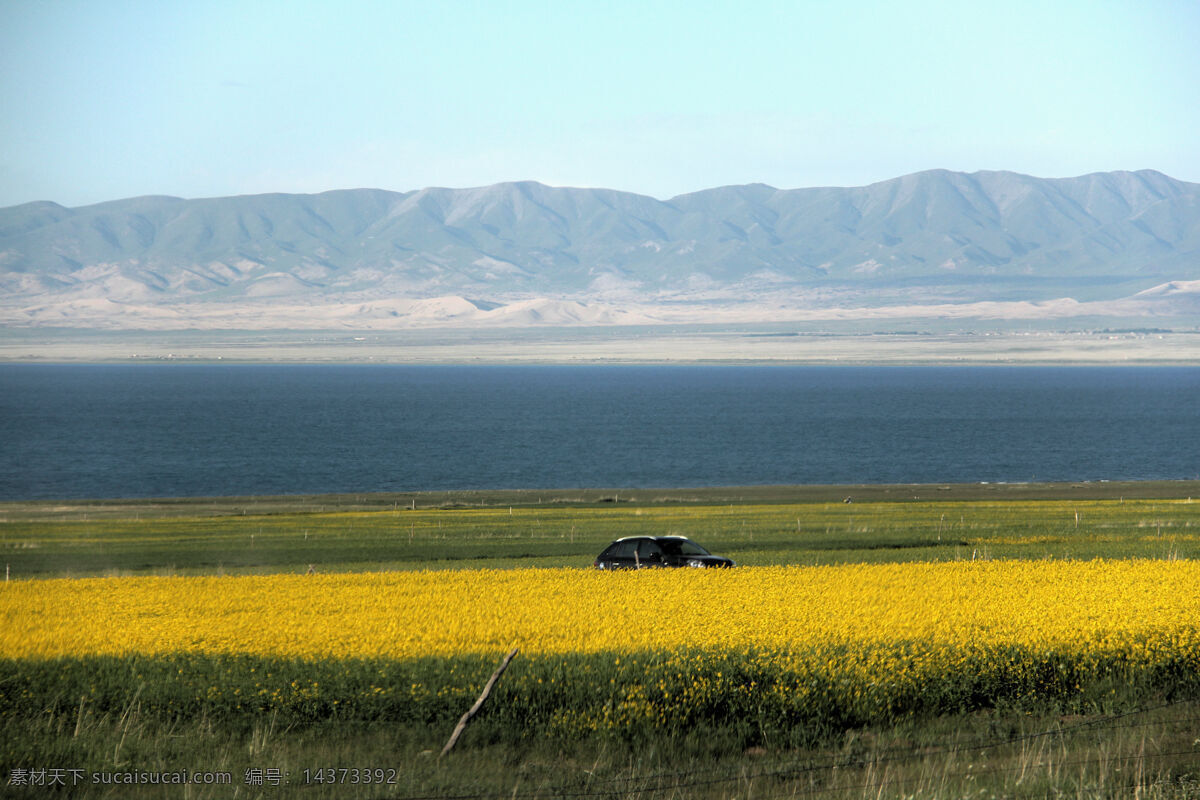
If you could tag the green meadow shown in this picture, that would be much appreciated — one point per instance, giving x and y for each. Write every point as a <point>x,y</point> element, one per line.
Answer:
<point>467,530</point>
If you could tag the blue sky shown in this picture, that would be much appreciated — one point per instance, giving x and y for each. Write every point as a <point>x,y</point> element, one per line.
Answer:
<point>103,99</point>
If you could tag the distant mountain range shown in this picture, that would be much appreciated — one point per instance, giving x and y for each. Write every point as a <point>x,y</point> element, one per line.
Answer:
<point>935,243</point>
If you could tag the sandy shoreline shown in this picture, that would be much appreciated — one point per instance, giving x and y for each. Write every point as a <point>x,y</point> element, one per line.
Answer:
<point>605,346</point>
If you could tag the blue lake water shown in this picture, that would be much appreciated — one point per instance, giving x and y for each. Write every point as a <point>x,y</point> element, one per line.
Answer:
<point>199,430</point>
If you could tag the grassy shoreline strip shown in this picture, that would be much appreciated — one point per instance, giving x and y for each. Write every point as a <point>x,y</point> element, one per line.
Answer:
<point>168,507</point>
<point>80,544</point>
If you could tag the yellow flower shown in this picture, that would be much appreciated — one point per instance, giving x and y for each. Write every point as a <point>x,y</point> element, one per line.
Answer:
<point>1150,608</point>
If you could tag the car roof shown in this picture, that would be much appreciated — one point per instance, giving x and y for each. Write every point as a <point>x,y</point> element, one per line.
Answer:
<point>655,538</point>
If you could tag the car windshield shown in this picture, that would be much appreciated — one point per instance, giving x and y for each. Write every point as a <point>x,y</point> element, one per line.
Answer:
<point>682,547</point>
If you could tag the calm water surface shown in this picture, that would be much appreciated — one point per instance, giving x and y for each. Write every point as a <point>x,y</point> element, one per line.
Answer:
<point>197,430</point>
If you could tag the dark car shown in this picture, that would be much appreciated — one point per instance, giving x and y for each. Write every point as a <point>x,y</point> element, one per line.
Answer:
<point>635,552</point>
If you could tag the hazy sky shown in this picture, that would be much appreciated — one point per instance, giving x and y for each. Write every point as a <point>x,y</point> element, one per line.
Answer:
<point>103,99</point>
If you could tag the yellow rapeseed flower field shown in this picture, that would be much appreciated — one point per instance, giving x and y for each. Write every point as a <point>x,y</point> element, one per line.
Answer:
<point>1088,605</point>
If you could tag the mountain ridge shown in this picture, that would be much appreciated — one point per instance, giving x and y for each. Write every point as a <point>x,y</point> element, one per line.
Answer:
<point>922,240</point>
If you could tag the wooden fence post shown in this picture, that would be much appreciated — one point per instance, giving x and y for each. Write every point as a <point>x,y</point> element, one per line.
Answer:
<point>487,690</point>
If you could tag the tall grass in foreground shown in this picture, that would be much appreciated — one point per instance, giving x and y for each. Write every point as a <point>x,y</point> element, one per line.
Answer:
<point>739,698</point>
<point>1061,733</point>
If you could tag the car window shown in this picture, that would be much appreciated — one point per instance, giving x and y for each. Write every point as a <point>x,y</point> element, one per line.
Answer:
<point>623,549</point>
<point>684,547</point>
<point>649,549</point>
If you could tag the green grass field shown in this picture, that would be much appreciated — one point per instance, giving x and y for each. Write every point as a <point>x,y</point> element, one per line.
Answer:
<point>1112,739</point>
<point>755,526</point>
